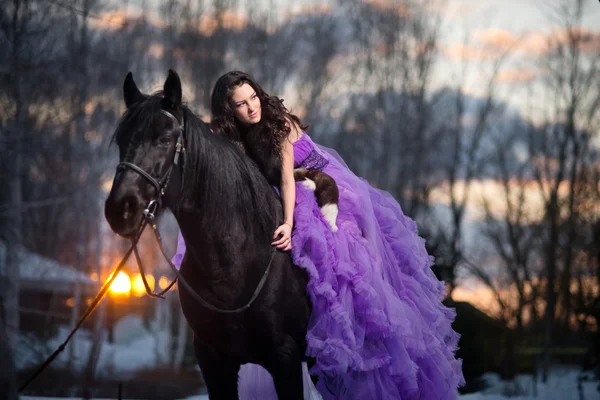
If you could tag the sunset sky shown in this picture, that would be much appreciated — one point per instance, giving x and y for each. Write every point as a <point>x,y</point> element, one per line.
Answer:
<point>521,25</point>
<point>474,32</point>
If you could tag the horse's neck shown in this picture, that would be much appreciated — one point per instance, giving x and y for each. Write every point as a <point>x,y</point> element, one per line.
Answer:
<point>223,270</point>
<point>211,245</point>
<point>197,231</point>
<point>218,220</point>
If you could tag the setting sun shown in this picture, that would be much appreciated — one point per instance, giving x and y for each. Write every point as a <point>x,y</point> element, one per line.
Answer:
<point>121,284</point>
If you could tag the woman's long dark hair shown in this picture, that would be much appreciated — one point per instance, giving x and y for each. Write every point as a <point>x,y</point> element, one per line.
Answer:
<point>273,126</point>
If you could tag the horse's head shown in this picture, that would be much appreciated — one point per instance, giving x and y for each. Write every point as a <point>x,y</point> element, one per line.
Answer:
<point>150,138</point>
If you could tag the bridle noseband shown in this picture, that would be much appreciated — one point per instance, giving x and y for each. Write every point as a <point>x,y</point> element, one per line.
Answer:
<point>149,218</point>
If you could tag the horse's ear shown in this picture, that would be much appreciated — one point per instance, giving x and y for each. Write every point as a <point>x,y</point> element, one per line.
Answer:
<point>131,93</point>
<point>172,89</point>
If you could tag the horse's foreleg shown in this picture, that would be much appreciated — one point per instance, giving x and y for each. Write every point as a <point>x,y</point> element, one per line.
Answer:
<point>222,383</point>
<point>287,372</point>
<point>220,374</point>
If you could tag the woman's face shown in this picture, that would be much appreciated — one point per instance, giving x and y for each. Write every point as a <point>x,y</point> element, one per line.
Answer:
<point>246,104</point>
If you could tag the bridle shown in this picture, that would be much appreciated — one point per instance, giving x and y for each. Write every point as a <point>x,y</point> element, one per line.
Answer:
<point>150,218</point>
<point>162,183</point>
<point>154,205</point>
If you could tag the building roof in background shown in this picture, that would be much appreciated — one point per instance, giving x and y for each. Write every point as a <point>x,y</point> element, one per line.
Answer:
<point>43,273</point>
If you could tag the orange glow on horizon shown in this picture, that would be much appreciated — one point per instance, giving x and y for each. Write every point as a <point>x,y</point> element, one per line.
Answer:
<point>121,284</point>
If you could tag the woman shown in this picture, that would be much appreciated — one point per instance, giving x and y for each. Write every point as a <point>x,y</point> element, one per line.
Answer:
<point>378,329</point>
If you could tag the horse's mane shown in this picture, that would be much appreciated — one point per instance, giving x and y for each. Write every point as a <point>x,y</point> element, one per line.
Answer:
<point>217,176</point>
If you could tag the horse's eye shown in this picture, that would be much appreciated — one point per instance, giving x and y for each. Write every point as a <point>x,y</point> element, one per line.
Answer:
<point>165,140</point>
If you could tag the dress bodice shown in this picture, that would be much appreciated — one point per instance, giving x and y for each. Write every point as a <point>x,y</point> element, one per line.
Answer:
<point>307,155</point>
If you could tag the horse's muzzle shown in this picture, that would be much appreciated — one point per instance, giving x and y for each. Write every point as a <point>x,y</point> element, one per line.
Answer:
<point>124,214</point>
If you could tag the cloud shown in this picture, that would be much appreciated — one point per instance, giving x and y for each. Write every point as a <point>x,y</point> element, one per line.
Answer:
<point>400,8</point>
<point>534,43</point>
<point>487,45</point>
<point>461,51</point>
<point>228,20</point>
<point>591,42</point>
<point>490,43</point>
<point>457,10</point>
<point>310,9</point>
<point>115,20</point>
<point>157,50</point>
<point>496,38</point>
<point>538,43</point>
<point>118,19</point>
<point>516,75</point>
<point>493,192</point>
<point>110,20</point>
<point>587,40</point>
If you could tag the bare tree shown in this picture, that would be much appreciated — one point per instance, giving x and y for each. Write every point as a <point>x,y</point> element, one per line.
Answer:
<point>383,75</point>
<point>8,374</point>
<point>514,231</point>
<point>464,144</point>
<point>22,24</point>
<point>586,274</point>
<point>15,26</point>
<point>569,73</point>
<point>172,12</point>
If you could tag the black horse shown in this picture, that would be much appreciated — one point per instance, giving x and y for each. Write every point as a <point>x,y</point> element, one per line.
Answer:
<point>227,213</point>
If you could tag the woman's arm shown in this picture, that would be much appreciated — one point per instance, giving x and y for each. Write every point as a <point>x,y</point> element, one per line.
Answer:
<point>288,184</point>
<point>288,191</point>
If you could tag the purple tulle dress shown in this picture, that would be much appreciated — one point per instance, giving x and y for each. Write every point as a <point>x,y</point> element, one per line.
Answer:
<point>378,329</point>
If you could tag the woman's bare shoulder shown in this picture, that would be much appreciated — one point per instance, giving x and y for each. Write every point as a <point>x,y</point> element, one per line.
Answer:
<point>295,130</point>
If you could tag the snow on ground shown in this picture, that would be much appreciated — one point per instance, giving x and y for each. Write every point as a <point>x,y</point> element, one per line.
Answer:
<point>562,385</point>
<point>134,348</point>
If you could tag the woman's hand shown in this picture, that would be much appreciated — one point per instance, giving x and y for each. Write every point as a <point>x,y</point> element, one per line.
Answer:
<point>285,241</point>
